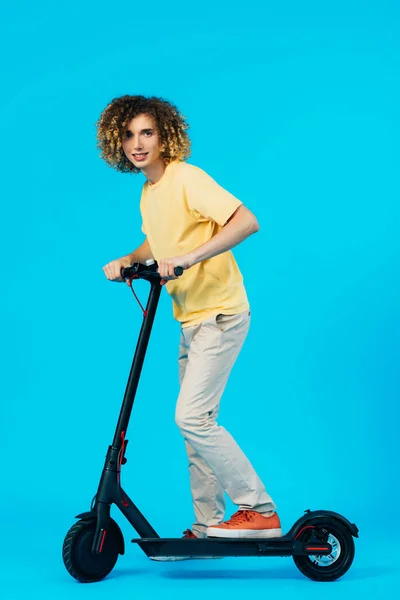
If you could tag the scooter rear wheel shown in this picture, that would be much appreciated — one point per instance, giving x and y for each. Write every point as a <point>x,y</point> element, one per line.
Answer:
<point>327,568</point>
<point>77,551</point>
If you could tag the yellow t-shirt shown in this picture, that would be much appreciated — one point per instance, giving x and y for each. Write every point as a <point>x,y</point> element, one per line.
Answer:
<point>180,212</point>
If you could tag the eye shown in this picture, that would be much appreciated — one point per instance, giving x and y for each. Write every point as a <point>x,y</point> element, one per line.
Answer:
<point>148,133</point>
<point>128,134</point>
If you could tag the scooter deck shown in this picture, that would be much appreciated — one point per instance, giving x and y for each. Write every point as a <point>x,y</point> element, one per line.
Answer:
<point>282,546</point>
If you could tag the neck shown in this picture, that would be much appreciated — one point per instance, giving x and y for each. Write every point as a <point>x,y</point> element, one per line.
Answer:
<point>155,171</point>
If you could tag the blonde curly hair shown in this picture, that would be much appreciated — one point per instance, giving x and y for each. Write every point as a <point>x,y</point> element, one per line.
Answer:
<point>171,126</point>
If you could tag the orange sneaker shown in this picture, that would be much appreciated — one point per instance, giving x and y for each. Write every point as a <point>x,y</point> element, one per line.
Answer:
<point>247,524</point>
<point>186,534</point>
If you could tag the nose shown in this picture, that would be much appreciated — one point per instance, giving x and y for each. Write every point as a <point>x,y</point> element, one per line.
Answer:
<point>137,143</point>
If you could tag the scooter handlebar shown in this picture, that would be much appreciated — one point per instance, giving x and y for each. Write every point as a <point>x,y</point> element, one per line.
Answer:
<point>150,269</point>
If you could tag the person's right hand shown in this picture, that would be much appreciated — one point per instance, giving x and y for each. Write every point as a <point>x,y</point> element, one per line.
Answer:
<point>113,269</point>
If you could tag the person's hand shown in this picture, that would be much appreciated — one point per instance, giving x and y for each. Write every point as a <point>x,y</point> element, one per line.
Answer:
<point>112,270</point>
<point>166,267</point>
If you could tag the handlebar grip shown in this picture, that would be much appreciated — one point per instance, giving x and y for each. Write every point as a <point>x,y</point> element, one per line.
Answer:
<point>127,272</point>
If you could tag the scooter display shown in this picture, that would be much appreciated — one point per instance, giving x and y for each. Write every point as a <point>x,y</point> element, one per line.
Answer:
<point>320,541</point>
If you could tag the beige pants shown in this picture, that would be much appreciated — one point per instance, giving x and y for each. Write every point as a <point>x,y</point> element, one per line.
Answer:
<point>207,354</point>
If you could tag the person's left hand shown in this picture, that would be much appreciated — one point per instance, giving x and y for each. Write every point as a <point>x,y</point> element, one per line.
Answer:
<point>166,267</point>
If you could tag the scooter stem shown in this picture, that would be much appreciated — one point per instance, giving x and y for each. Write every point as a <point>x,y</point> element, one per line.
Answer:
<point>137,363</point>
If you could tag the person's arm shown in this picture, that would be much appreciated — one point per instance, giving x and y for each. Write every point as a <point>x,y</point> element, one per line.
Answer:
<point>238,227</point>
<point>241,224</point>
<point>113,269</point>
<point>141,254</point>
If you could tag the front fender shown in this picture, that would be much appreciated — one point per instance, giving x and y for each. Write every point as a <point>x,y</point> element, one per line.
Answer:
<point>91,515</point>
<point>85,516</point>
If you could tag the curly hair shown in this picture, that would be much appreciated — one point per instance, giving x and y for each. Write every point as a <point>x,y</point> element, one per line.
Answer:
<point>170,124</point>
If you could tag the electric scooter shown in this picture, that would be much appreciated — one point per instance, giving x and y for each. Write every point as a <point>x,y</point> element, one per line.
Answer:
<point>321,542</point>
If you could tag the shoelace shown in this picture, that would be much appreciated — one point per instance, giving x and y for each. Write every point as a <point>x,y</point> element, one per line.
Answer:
<point>241,516</point>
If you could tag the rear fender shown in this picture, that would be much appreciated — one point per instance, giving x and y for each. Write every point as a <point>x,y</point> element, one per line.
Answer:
<point>321,515</point>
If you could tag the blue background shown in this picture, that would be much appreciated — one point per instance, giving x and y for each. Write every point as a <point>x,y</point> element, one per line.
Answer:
<point>294,108</point>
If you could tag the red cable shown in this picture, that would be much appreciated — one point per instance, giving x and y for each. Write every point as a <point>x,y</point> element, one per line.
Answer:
<point>129,282</point>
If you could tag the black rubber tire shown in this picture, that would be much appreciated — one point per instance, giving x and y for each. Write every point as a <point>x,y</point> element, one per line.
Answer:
<point>77,555</point>
<point>338,568</point>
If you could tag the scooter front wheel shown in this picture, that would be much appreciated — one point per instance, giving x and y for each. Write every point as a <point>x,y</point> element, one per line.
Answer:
<point>77,554</point>
<point>333,566</point>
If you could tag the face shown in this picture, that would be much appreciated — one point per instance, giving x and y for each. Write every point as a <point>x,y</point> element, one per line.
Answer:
<point>140,142</point>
